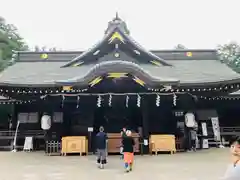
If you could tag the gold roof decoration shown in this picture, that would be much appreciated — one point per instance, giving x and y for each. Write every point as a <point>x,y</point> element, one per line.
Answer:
<point>44,56</point>
<point>95,81</point>
<point>189,54</point>
<point>116,35</point>
<point>116,75</point>
<point>139,81</point>
<point>155,63</point>
<point>67,88</point>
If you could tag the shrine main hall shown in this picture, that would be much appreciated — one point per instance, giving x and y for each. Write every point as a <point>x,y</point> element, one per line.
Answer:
<point>117,83</point>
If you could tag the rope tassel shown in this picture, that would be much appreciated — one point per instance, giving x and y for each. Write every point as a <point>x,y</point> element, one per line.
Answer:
<point>78,99</point>
<point>63,99</point>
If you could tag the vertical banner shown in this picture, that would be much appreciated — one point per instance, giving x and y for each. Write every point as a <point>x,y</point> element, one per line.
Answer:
<point>205,144</point>
<point>204,129</point>
<point>216,128</point>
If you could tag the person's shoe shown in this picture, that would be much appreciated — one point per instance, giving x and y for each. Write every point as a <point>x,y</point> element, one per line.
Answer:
<point>101,166</point>
<point>127,169</point>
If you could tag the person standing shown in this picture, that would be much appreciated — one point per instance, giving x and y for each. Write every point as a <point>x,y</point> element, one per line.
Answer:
<point>233,172</point>
<point>46,126</point>
<point>193,136</point>
<point>128,150</point>
<point>123,134</point>
<point>101,146</point>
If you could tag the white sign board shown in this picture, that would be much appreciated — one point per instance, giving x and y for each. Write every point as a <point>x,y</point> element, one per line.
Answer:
<point>28,144</point>
<point>145,142</point>
<point>216,128</point>
<point>205,144</point>
<point>90,129</point>
<point>204,129</point>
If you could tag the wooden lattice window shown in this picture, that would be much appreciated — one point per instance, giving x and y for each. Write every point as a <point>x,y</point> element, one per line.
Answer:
<point>28,117</point>
<point>58,117</point>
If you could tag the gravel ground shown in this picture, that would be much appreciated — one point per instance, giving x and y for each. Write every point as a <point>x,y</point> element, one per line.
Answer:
<point>202,165</point>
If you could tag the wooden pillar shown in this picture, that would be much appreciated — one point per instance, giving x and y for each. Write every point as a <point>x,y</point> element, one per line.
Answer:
<point>145,118</point>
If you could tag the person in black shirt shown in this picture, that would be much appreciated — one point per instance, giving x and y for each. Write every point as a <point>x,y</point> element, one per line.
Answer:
<point>101,146</point>
<point>128,150</point>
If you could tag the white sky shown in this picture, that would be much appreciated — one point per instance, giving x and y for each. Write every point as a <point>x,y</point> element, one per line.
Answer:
<point>156,24</point>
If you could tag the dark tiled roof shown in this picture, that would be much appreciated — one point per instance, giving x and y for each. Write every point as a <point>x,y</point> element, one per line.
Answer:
<point>187,71</point>
<point>66,56</point>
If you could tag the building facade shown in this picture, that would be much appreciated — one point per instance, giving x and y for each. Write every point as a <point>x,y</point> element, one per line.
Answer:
<point>118,83</point>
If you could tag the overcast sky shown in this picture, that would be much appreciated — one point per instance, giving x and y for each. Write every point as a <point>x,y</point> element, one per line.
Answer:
<point>156,24</point>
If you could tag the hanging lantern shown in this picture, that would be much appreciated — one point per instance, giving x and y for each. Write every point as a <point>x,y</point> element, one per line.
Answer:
<point>138,100</point>
<point>99,101</point>
<point>110,100</point>
<point>46,122</point>
<point>127,99</point>
<point>158,101</point>
<point>78,99</point>
<point>63,99</point>
<point>174,99</point>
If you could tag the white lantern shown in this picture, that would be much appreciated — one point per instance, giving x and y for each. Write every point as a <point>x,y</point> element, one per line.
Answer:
<point>46,122</point>
<point>190,120</point>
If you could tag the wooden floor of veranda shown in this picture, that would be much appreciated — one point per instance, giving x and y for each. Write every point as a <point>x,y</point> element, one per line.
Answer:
<point>203,165</point>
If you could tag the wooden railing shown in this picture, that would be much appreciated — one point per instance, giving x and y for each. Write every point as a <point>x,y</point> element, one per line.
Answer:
<point>11,134</point>
<point>231,130</point>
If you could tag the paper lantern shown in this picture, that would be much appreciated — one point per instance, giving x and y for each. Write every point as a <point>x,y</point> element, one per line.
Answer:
<point>46,122</point>
<point>190,120</point>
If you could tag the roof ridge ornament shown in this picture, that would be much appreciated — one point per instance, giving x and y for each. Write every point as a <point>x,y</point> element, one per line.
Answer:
<point>117,22</point>
<point>117,17</point>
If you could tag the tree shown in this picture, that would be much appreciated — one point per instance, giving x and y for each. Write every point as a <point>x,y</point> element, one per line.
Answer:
<point>230,55</point>
<point>10,41</point>
<point>44,49</point>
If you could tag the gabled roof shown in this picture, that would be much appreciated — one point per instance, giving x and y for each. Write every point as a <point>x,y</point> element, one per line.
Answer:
<point>184,67</point>
<point>38,72</point>
<point>117,38</point>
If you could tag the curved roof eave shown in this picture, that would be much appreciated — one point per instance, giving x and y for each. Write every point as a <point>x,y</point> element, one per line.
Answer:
<point>119,66</point>
<point>58,84</point>
<point>215,83</point>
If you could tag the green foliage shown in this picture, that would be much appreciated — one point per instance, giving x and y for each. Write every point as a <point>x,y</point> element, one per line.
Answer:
<point>230,55</point>
<point>10,41</point>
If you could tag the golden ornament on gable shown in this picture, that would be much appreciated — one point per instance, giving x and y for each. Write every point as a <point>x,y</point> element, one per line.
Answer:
<point>44,56</point>
<point>189,54</point>
<point>117,55</point>
<point>115,36</point>
<point>67,88</point>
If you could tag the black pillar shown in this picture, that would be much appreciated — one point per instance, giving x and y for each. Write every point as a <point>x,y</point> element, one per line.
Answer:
<point>91,134</point>
<point>145,118</point>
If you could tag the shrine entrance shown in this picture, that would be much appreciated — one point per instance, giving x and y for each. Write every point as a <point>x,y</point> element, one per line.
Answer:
<point>117,110</point>
<point>113,119</point>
